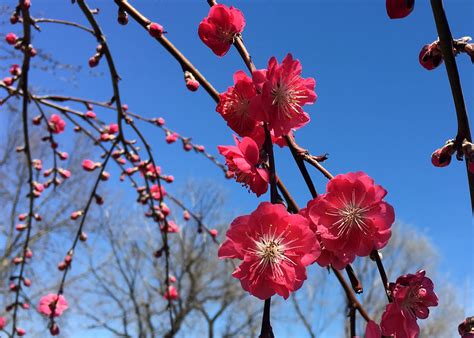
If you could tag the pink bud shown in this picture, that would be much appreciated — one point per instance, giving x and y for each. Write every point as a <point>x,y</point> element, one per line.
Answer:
<point>37,120</point>
<point>155,30</point>
<point>20,331</point>
<point>93,61</point>
<point>213,233</point>
<point>64,173</point>
<point>169,178</point>
<point>63,155</point>
<point>11,38</point>
<point>54,329</point>
<point>113,128</point>
<point>89,165</point>
<point>200,148</point>
<point>122,17</point>
<point>29,254</point>
<point>27,282</point>
<point>172,279</point>
<point>20,227</point>
<point>442,157</point>
<point>160,121</point>
<point>124,107</point>
<point>171,138</point>
<point>15,70</point>
<point>25,306</point>
<point>33,52</point>
<point>83,237</point>
<point>14,18</point>
<point>104,176</point>
<point>76,214</point>
<point>186,215</point>
<point>90,114</point>
<point>8,81</point>
<point>62,266</point>
<point>192,85</point>
<point>68,259</point>
<point>22,217</point>
<point>187,146</point>
<point>430,56</point>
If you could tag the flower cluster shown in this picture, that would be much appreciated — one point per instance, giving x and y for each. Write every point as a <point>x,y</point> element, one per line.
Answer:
<point>411,295</point>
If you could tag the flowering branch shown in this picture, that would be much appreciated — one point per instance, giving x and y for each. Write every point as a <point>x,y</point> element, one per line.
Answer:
<point>446,44</point>
<point>24,85</point>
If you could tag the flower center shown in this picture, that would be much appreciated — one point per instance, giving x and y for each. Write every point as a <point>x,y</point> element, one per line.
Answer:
<point>349,216</point>
<point>286,96</point>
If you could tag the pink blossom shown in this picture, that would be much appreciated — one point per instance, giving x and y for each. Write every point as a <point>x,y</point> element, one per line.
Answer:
<point>412,295</point>
<point>220,27</point>
<point>242,161</point>
<point>11,38</point>
<point>351,216</point>
<point>171,293</point>
<point>275,247</point>
<point>50,302</point>
<point>283,94</point>
<point>155,30</point>
<point>56,124</point>
<point>397,9</point>
<point>234,105</point>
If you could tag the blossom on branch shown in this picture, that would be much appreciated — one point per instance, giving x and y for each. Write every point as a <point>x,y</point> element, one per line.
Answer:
<point>283,94</point>
<point>219,29</point>
<point>412,295</point>
<point>275,247</point>
<point>351,216</point>
<point>52,302</point>
<point>242,160</point>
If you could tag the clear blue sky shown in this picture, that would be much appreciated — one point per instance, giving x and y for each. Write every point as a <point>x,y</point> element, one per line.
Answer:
<point>378,110</point>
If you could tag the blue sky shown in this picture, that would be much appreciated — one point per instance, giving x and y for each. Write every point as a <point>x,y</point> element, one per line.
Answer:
<point>378,110</point>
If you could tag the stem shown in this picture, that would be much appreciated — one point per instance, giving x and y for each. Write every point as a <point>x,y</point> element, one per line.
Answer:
<point>355,282</point>
<point>383,275</point>
<point>27,150</point>
<point>446,44</point>
<point>352,315</point>
<point>266,331</point>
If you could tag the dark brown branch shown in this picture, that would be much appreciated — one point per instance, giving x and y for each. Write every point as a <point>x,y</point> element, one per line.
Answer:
<point>446,44</point>
<point>24,86</point>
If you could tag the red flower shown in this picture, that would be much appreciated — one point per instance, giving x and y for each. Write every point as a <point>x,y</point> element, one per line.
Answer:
<point>283,94</point>
<point>11,38</point>
<point>50,302</point>
<point>275,247</point>
<point>171,293</point>
<point>56,124</point>
<point>242,161</point>
<point>352,217</point>
<point>430,56</point>
<point>412,295</point>
<point>397,9</point>
<point>220,27</point>
<point>234,105</point>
